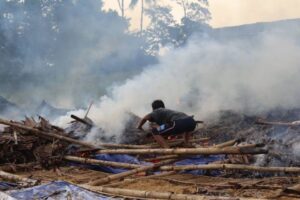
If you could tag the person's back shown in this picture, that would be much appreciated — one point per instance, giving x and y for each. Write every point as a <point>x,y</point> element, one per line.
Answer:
<point>165,116</point>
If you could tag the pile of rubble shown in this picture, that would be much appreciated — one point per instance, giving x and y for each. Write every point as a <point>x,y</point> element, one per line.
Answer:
<point>277,130</point>
<point>31,144</point>
<point>20,145</point>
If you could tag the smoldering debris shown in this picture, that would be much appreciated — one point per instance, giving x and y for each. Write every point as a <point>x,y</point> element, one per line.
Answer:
<point>34,144</point>
<point>276,129</point>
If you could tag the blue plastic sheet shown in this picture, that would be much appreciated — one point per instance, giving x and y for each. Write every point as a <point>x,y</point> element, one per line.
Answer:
<point>201,160</point>
<point>7,185</point>
<point>193,160</point>
<point>116,158</point>
<point>56,190</point>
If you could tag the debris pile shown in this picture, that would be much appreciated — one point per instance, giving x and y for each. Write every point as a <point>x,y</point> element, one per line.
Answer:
<point>277,130</point>
<point>238,146</point>
<point>20,145</point>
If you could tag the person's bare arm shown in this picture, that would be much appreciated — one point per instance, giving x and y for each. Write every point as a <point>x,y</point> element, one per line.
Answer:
<point>143,121</point>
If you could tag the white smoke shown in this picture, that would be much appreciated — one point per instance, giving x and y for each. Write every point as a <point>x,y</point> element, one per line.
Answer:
<point>211,75</point>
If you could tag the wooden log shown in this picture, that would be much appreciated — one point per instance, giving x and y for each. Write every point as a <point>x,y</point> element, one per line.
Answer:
<point>231,167</point>
<point>47,135</point>
<point>101,162</point>
<point>16,178</point>
<point>188,151</point>
<point>138,194</point>
<point>81,120</point>
<point>113,177</point>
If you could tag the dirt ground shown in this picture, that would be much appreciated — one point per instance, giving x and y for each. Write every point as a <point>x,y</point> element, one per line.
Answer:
<point>267,188</point>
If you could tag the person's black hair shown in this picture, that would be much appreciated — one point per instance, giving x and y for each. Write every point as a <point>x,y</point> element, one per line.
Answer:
<point>157,104</point>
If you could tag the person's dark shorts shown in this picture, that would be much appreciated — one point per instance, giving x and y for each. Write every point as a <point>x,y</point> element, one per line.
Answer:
<point>177,127</point>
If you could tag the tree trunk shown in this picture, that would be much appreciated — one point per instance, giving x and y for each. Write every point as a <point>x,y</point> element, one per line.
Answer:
<point>122,8</point>
<point>184,8</point>
<point>142,16</point>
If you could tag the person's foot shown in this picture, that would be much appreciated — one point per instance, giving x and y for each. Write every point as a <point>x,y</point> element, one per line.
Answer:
<point>188,145</point>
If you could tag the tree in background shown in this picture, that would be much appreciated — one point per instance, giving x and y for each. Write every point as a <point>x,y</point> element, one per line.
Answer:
<point>134,3</point>
<point>68,48</point>
<point>161,29</point>
<point>122,8</point>
<point>196,10</point>
<point>165,30</point>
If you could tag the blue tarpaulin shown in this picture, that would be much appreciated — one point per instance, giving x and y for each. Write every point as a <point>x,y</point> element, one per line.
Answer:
<point>56,190</point>
<point>7,185</point>
<point>64,190</point>
<point>200,160</point>
<point>192,160</point>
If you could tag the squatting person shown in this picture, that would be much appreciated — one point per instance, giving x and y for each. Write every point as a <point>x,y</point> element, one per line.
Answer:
<point>169,122</point>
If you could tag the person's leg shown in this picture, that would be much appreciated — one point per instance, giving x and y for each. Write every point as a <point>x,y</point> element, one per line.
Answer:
<point>186,137</point>
<point>164,129</point>
<point>161,141</point>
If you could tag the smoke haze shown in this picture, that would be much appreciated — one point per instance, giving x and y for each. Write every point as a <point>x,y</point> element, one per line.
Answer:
<point>209,75</point>
<point>66,52</point>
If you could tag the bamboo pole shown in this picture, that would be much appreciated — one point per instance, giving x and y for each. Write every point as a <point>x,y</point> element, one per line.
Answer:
<point>187,167</point>
<point>161,158</point>
<point>231,167</point>
<point>178,141</point>
<point>228,143</point>
<point>46,135</point>
<point>142,178</point>
<point>113,177</point>
<point>18,167</point>
<point>158,195</point>
<point>16,178</point>
<point>101,162</point>
<point>295,123</point>
<point>127,146</point>
<point>187,151</point>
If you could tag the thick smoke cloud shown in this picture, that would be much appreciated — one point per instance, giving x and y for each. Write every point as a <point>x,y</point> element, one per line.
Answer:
<point>209,75</point>
<point>66,52</point>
